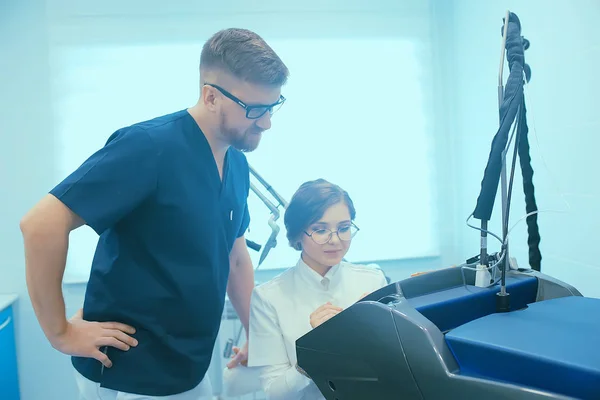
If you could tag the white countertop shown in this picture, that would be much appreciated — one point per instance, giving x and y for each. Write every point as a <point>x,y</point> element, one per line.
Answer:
<point>6,299</point>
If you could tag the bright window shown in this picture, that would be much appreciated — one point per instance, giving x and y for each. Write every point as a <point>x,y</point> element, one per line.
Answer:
<point>357,117</point>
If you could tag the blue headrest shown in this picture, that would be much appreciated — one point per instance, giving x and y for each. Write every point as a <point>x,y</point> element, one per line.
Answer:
<point>453,307</point>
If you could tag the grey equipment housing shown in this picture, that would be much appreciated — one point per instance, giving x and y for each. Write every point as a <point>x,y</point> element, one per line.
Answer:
<point>393,345</point>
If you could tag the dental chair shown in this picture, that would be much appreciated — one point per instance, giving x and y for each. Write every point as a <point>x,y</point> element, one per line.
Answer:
<point>435,337</point>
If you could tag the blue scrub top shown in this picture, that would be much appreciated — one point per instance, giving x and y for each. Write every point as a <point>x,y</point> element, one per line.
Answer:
<point>167,224</point>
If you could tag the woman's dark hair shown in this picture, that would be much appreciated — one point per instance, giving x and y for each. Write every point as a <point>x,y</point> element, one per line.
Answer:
<point>308,205</point>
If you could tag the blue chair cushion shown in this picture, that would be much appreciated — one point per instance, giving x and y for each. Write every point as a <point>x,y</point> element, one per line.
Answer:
<point>553,345</point>
<point>450,308</point>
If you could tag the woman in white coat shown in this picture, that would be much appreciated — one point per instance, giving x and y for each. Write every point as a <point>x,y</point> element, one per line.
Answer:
<point>320,224</point>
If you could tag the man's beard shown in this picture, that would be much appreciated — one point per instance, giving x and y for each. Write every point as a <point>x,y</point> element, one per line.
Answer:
<point>245,141</point>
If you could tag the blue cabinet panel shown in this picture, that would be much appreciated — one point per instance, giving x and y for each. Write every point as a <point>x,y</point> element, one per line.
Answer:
<point>9,377</point>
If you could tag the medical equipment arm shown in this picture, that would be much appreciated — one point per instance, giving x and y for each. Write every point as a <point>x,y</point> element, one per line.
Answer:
<point>275,214</point>
<point>511,110</point>
<point>269,188</point>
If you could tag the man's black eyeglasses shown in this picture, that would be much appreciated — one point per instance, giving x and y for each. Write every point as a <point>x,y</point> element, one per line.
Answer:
<point>252,111</point>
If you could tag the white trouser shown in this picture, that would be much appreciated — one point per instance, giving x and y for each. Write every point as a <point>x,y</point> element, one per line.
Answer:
<point>89,390</point>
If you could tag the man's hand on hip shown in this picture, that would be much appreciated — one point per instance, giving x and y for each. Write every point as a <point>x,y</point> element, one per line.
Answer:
<point>84,338</point>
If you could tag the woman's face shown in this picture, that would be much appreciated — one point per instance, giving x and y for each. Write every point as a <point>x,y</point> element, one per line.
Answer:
<point>336,219</point>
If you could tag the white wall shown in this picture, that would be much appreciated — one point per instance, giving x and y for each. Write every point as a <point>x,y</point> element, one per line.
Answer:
<point>562,101</point>
<point>26,171</point>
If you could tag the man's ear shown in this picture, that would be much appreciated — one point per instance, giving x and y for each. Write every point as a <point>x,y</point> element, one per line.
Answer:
<point>209,97</point>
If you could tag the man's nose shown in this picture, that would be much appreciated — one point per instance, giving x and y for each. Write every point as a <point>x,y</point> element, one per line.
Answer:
<point>264,122</point>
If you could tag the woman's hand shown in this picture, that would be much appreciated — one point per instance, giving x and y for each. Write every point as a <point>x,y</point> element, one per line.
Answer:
<point>323,313</point>
<point>239,356</point>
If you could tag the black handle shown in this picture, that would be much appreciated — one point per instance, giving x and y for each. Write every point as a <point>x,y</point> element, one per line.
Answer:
<point>253,245</point>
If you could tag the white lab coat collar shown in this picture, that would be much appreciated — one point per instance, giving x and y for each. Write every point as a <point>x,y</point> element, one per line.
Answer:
<point>314,279</point>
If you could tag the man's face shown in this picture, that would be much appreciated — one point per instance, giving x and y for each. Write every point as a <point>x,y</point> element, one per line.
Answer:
<point>235,127</point>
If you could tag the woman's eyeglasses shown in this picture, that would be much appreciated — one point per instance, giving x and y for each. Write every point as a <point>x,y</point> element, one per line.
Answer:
<point>344,233</point>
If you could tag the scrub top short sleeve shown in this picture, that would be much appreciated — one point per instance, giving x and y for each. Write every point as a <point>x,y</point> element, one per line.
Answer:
<point>113,181</point>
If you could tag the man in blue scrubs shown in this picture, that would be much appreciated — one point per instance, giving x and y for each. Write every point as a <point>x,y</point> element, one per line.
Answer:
<point>168,198</point>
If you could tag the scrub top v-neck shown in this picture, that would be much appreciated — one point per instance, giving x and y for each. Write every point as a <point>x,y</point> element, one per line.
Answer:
<point>202,142</point>
<point>167,223</point>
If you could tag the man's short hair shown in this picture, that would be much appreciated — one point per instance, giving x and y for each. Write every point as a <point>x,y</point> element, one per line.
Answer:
<point>245,55</point>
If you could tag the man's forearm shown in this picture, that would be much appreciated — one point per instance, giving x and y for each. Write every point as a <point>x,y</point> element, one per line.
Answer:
<point>239,289</point>
<point>45,259</point>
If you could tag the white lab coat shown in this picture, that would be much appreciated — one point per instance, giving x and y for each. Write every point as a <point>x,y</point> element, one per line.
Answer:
<point>280,314</point>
